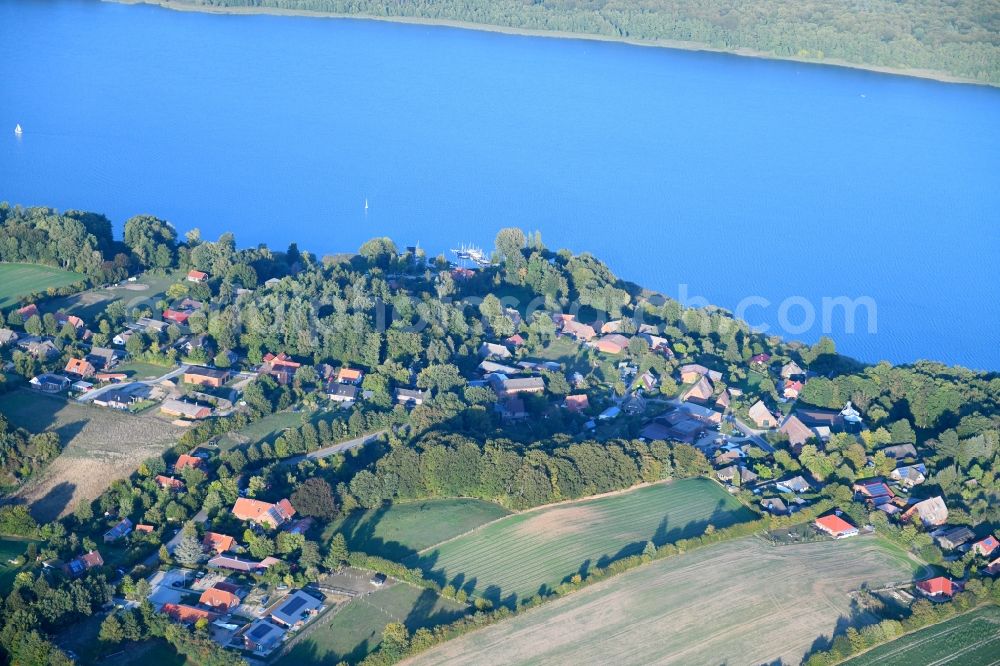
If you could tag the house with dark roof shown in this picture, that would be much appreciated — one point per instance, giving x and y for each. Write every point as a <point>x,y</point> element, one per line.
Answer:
<point>410,396</point>
<point>296,609</point>
<point>204,376</point>
<point>909,475</point>
<point>899,451</point>
<point>874,491</point>
<point>343,392</point>
<point>954,537</point>
<point>262,637</point>
<point>49,383</point>
<point>775,506</point>
<point>122,529</point>
<point>103,358</point>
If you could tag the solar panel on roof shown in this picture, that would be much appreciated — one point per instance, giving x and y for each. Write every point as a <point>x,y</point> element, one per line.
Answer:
<point>260,631</point>
<point>292,605</point>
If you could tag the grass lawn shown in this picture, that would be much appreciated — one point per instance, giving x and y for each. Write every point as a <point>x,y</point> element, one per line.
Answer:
<point>262,430</point>
<point>140,370</point>
<point>517,556</point>
<point>972,639</point>
<point>17,280</point>
<point>99,446</point>
<point>147,289</point>
<point>400,530</point>
<point>738,602</point>
<point>10,547</point>
<point>567,351</point>
<point>356,630</point>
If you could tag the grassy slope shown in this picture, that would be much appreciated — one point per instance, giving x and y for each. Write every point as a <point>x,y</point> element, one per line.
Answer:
<point>356,630</point>
<point>515,557</point>
<point>17,280</point>
<point>402,529</point>
<point>741,601</point>
<point>972,639</point>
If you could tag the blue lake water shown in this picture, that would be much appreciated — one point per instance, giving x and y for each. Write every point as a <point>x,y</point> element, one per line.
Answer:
<point>692,173</point>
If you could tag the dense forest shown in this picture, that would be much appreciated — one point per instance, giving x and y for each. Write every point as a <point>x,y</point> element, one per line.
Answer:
<point>956,37</point>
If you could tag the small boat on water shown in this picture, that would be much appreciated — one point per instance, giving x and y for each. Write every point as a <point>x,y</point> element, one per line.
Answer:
<point>366,204</point>
<point>17,129</point>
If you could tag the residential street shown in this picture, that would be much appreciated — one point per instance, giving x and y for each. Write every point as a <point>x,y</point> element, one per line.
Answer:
<point>89,396</point>
<point>334,449</point>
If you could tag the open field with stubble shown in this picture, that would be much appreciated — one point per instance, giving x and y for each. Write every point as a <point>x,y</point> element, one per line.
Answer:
<point>99,446</point>
<point>17,280</point>
<point>514,557</point>
<point>972,639</point>
<point>738,602</point>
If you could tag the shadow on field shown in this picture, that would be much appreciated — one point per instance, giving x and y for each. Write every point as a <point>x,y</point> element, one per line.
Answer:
<point>48,508</point>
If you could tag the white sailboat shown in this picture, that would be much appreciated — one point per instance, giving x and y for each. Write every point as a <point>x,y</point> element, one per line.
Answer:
<point>17,129</point>
<point>366,204</point>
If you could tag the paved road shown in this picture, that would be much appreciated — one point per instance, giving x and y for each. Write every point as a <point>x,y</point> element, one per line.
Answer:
<point>96,393</point>
<point>752,434</point>
<point>335,449</point>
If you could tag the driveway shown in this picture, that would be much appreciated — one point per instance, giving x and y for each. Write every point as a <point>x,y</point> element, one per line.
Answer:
<point>334,449</point>
<point>89,396</point>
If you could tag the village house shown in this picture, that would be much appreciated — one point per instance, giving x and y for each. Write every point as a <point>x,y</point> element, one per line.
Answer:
<point>185,410</point>
<point>232,563</point>
<point>143,528</point>
<point>41,348</point>
<point>350,376</point>
<point>116,399</point>
<point>836,527</point>
<point>203,376</point>
<point>263,513</point>
<point>262,637</point>
<point>515,340</point>
<point>214,542</point>
<point>280,366</point>
<point>986,547</point>
<point>798,433</point>
<point>103,358</point>
<point>569,326</point>
<point>701,390</point>
<point>122,529</point>
<point>28,311</point>
<point>219,598</point>
<point>874,491</point>
<point>185,460</point>
<point>176,316</point>
<point>761,415</point>
<point>49,383</point>
<point>939,588</point>
<point>723,401</point>
<point>506,386</point>
<point>792,389</point>
<point>82,564</point>
<point>796,484</point>
<point>406,396</point>
<point>760,359</point>
<point>615,343</point>
<point>7,337</point>
<point>775,506</point>
<point>899,452</point>
<point>296,609</point>
<point>494,368</point>
<point>169,483</point>
<point>197,276</point>
<point>909,475</point>
<point>79,367</point>
<point>691,372</point>
<point>954,537</point>
<point>931,512</point>
<point>491,350</point>
<point>152,327</point>
<point>734,473</point>
<point>345,393</point>
<point>186,614</point>
<point>576,403</point>
<point>791,370</point>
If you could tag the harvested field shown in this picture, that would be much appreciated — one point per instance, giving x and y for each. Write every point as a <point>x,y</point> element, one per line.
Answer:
<point>972,639</point>
<point>513,558</point>
<point>17,280</point>
<point>99,446</point>
<point>738,602</point>
<point>400,530</point>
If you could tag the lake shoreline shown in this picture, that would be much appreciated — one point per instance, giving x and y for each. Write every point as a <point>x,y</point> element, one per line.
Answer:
<point>930,75</point>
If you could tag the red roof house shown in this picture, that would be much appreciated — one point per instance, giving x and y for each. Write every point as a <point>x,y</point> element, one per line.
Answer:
<point>986,547</point>
<point>196,276</point>
<point>937,588</point>
<point>169,482</point>
<point>175,316</point>
<point>187,461</point>
<point>80,367</point>
<point>186,614</point>
<point>263,513</point>
<point>218,543</point>
<point>836,527</point>
<point>219,599</point>
<point>577,403</point>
